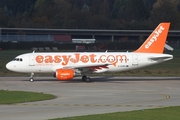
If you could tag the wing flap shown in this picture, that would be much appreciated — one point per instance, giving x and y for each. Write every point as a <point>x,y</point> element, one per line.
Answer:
<point>83,66</point>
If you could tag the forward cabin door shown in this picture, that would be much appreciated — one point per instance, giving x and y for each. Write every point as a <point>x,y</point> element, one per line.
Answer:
<point>135,60</point>
<point>31,60</point>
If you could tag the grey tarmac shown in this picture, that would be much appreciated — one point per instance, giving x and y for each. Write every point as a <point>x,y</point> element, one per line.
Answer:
<point>102,95</point>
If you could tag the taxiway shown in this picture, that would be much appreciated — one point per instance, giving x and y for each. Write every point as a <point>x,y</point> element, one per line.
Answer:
<point>103,95</point>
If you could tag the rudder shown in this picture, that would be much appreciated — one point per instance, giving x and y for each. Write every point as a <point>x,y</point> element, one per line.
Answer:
<point>156,41</point>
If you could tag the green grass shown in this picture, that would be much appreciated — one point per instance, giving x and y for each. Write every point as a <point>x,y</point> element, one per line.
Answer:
<point>168,113</point>
<point>169,68</point>
<point>11,97</point>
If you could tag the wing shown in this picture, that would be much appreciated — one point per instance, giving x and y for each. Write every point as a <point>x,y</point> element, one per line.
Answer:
<point>96,68</point>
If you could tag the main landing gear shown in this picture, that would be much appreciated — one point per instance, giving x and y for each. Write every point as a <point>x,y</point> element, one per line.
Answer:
<point>31,79</point>
<point>86,78</point>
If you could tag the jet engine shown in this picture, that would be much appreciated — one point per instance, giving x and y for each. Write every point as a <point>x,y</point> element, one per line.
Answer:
<point>64,74</point>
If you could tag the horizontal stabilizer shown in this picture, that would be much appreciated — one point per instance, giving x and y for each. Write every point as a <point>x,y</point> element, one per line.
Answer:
<point>161,58</point>
<point>168,47</point>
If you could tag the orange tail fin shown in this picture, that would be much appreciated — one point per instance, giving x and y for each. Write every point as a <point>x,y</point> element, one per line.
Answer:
<point>156,41</point>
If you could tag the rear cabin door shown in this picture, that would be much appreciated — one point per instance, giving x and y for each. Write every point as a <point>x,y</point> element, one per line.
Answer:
<point>135,60</point>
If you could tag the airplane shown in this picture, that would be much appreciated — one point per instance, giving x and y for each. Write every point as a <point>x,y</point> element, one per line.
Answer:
<point>67,65</point>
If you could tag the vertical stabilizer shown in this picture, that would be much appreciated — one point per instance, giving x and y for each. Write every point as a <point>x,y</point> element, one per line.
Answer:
<point>156,41</point>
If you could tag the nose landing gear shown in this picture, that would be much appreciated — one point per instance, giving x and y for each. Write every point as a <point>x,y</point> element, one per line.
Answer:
<point>31,79</point>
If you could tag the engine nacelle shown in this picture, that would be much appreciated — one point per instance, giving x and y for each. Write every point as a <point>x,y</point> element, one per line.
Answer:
<point>64,74</point>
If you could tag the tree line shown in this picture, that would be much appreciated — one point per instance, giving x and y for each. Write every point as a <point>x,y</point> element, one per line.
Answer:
<point>89,14</point>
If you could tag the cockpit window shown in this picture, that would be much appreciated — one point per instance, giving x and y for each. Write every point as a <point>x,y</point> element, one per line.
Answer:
<point>18,59</point>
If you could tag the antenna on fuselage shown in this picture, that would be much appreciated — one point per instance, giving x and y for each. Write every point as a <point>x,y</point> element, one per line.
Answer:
<point>106,51</point>
<point>33,51</point>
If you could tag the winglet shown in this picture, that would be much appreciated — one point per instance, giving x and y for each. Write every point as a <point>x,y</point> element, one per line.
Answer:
<point>156,41</point>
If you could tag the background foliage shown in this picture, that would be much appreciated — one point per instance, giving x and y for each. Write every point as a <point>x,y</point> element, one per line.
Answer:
<point>89,14</point>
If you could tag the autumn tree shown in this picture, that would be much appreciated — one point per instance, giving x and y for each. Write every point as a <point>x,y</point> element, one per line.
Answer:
<point>165,10</point>
<point>62,12</point>
<point>4,18</point>
<point>89,14</point>
<point>100,18</point>
<point>129,10</point>
<point>149,4</point>
<point>80,16</point>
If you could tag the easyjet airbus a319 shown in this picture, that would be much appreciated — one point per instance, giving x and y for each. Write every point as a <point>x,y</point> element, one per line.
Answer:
<point>65,66</point>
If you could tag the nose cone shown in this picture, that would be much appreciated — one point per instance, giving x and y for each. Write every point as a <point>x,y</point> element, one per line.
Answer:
<point>9,66</point>
<point>14,66</point>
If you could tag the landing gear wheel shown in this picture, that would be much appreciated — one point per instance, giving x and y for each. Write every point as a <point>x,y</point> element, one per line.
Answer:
<point>86,78</point>
<point>31,79</point>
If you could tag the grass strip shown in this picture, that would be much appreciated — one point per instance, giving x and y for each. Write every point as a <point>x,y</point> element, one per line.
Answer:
<point>11,97</point>
<point>168,113</point>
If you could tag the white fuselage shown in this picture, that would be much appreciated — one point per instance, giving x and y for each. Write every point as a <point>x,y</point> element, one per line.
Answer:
<point>115,61</point>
